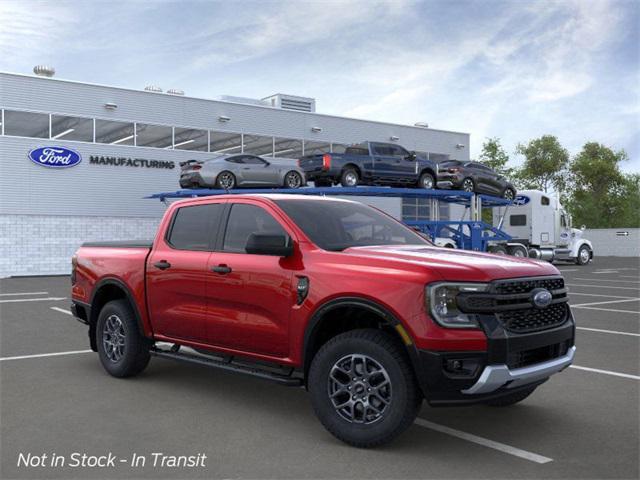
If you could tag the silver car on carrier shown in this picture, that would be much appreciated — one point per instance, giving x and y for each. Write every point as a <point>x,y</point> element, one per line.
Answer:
<point>241,170</point>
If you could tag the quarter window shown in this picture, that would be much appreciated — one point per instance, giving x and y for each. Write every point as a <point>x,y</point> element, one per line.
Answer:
<point>192,227</point>
<point>244,220</point>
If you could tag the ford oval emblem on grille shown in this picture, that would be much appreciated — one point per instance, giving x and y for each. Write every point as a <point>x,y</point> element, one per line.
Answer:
<point>541,297</point>
<point>55,157</point>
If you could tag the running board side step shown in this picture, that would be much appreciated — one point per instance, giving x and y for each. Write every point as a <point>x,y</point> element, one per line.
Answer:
<point>228,366</point>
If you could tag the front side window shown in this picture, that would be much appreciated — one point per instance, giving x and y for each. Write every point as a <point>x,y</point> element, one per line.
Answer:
<point>192,227</point>
<point>244,220</point>
<point>544,201</point>
<point>251,160</point>
<point>337,225</point>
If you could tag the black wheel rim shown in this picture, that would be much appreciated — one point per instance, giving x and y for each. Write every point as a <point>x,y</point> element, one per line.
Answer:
<point>113,338</point>
<point>508,194</point>
<point>293,180</point>
<point>359,388</point>
<point>467,185</point>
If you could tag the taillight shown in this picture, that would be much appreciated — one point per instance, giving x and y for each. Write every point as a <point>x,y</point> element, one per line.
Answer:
<point>454,170</point>
<point>299,162</point>
<point>326,161</point>
<point>74,265</point>
<point>196,167</point>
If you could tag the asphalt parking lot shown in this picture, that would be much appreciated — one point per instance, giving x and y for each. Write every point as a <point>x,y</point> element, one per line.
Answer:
<point>583,423</point>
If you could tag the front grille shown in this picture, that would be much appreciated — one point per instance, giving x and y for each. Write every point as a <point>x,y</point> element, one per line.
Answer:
<point>533,319</point>
<point>525,286</point>
<point>537,355</point>
<point>512,303</point>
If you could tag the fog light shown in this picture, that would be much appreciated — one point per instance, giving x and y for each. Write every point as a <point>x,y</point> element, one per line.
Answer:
<point>463,367</point>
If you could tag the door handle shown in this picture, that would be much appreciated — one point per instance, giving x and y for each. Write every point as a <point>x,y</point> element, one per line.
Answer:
<point>224,269</point>
<point>162,264</point>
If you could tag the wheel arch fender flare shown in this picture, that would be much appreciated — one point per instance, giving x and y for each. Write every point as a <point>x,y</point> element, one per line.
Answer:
<point>353,166</point>
<point>581,242</point>
<point>95,312</point>
<point>388,317</point>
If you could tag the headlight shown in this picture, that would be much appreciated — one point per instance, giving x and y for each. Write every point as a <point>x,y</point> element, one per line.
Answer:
<point>443,306</point>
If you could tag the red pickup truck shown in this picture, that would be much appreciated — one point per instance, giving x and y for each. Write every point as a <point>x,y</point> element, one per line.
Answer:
<point>331,295</point>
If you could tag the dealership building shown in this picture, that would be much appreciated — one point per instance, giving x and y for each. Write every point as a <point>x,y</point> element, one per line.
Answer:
<point>128,144</point>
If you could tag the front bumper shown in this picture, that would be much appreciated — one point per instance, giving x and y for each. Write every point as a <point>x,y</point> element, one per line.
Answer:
<point>510,363</point>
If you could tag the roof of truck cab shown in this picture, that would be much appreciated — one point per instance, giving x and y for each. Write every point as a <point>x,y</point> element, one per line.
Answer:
<point>266,196</point>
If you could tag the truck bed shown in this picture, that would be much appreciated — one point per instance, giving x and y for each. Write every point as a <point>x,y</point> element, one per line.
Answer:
<point>121,244</point>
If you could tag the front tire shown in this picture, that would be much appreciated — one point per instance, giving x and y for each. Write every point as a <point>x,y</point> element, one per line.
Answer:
<point>511,399</point>
<point>363,389</point>
<point>123,350</point>
<point>509,194</point>
<point>518,251</point>
<point>468,185</point>
<point>584,255</point>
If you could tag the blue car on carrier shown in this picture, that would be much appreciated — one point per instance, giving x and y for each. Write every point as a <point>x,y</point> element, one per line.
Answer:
<point>371,163</point>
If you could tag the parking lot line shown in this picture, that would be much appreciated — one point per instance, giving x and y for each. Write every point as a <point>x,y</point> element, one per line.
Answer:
<point>23,293</point>
<point>606,372</point>
<point>61,310</point>
<point>603,303</point>
<point>604,272</point>
<point>569,269</point>
<point>607,280</point>
<point>602,286</point>
<point>608,310</point>
<point>40,355</point>
<point>517,452</point>
<point>608,331</point>
<point>50,299</point>
<point>628,276</point>
<point>596,295</point>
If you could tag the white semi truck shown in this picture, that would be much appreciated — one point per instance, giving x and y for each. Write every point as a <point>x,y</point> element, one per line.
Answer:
<point>540,228</point>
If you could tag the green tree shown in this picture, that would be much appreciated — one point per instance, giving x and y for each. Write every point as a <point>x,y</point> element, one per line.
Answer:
<point>545,164</point>
<point>600,195</point>
<point>494,156</point>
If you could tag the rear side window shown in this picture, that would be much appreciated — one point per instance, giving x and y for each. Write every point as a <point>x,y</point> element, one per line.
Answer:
<point>518,220</point>
<point>192,227</point>
<point>244,220</point>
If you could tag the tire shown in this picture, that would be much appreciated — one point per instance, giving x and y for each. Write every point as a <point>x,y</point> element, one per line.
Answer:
<point>518,251</point>
<point>468,185</point>
<point>427,181</point>
<point>293,180</point>
<point>584,255</point>
<point>117,321</point>
<point>226,180</point>
<point>387,362</point>
<point>498,250</point>
<point>349,178</point>
<point>509,194</point>
<point>511,399</point>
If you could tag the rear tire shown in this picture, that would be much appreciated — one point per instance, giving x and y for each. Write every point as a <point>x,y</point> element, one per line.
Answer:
<point>509,194</point>
<point>511,399</point>
<point>293,180</point>
<point>349,178</point>
<point>380,404</point>
<point>427,181</point>
<point>226,180</point>
<point>498,250</point>
<point>518,251</point>
<point>468,185</point>
<point>123,350</point>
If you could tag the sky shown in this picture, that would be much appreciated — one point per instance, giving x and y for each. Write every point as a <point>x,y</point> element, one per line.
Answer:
<point>514,70</point>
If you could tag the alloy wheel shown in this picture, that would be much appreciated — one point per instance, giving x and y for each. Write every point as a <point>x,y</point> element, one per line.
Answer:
<point>467,185</point>
<point>508,194</point>
<point>226,181</point>
<point>113,338</point>
<point>351,179</point>
<point>427,182</point>
<point>293,180</point>
<point>359,389</point>
<point>584,255</point>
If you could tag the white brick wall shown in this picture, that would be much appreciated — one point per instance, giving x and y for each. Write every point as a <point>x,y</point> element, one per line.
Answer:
<point>43,245</point>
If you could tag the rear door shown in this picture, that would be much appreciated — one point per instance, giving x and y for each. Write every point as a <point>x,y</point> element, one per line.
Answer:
<point>250,296</point>
<point>177,272</point>
<point>383,161</point>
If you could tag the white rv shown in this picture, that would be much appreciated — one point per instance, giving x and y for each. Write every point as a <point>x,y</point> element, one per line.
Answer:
<point>541,228</point>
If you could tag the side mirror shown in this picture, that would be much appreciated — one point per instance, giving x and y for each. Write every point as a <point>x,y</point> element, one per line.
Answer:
<point>583,227</point>
<point>276,245</point>
<point>411,156</point>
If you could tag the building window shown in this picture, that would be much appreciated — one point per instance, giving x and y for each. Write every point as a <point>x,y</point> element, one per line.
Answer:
<point>225,143</point>
<point>287,148</point>
<point>71,128</point>
<point>258,145</point>
<point>191,139</point>
<point>26,124</point>
<point>438,157</point>
<point>156,136</point>
<point>314,148</point>
<point>114,133</point>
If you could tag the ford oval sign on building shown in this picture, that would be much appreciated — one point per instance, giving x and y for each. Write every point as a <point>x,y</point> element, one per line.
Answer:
<point>55,157</point>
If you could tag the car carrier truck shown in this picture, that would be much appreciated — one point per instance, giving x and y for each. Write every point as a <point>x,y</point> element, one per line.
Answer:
<point>540,228</point>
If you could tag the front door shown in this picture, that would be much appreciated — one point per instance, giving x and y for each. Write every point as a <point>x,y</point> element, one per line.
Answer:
<point>256,171</point>
<point>177,273</point>
<point>249,296</point>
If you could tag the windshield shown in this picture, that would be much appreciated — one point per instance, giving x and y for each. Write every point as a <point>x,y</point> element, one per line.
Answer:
<point>335,225</point>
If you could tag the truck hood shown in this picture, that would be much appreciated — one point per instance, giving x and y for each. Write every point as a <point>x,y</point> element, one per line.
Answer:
<point>458,265</point>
